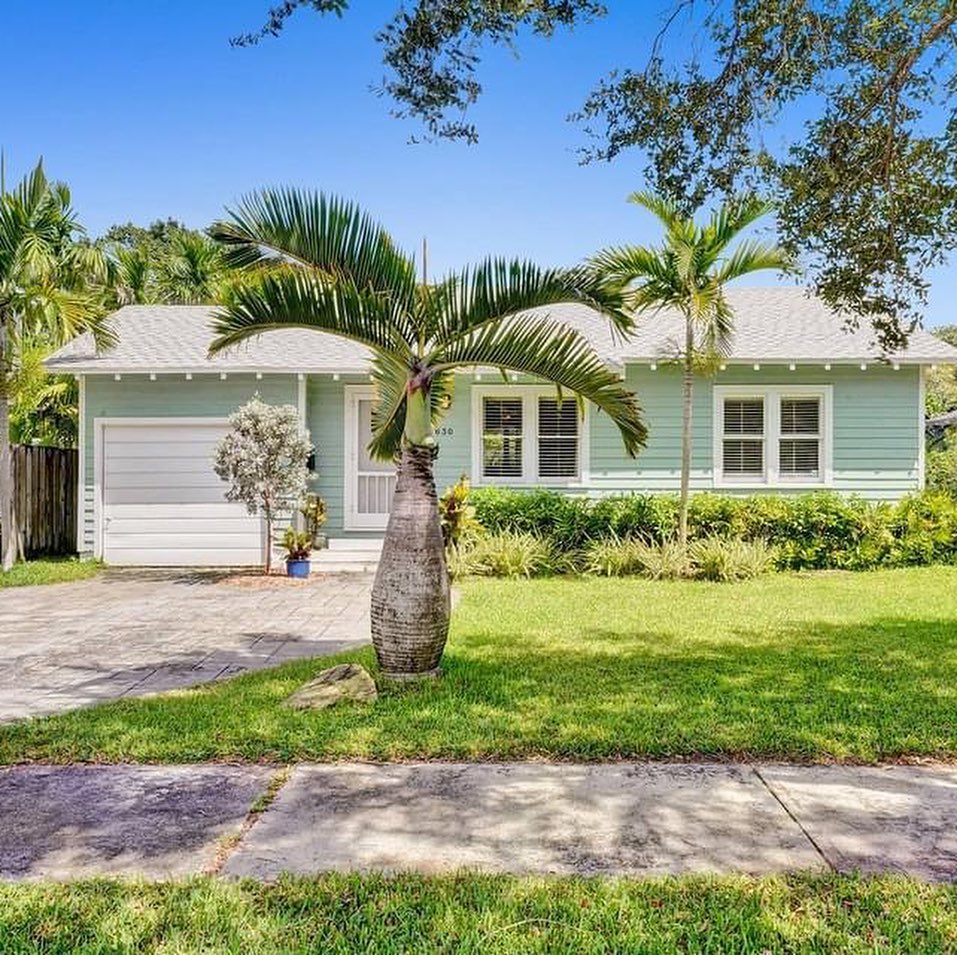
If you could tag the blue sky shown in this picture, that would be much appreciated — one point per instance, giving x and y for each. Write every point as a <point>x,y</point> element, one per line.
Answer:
<point>147,112</point>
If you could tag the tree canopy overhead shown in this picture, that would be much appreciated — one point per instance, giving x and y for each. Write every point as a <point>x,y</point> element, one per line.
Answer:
<point>865,181</point>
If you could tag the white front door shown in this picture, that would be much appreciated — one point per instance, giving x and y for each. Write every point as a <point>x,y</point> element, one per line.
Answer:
<point>369,483</point>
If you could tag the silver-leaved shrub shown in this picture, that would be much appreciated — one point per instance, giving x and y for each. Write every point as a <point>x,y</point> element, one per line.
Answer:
<point>264,459</point>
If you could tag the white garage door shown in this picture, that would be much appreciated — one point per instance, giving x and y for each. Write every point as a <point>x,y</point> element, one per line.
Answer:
<point>162,503</point>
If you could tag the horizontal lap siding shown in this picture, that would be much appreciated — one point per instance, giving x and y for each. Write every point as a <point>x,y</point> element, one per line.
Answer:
<point>876,433</point>
<point>658,465</point>
<point>877,430</point>
<point>169,396</point>
<point>326,415</point>
<point>878,422</point>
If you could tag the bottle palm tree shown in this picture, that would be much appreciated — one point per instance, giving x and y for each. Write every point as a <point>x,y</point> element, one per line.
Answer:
<point>50,290</point>
<point>342,274</point>
<point>689,273</point>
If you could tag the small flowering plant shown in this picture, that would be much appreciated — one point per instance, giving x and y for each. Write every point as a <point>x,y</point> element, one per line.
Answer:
<point>297,544</point>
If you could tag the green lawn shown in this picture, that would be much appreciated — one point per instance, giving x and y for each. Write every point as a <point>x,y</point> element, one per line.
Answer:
<point>482,915</point>
<point>815,667</point>
<point>55,571</point>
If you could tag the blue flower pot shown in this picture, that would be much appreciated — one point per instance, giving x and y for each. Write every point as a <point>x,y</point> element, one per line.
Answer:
<point>297,568</point>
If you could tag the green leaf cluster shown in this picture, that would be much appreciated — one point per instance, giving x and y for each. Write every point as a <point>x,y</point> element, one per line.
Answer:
<point>816,531</point>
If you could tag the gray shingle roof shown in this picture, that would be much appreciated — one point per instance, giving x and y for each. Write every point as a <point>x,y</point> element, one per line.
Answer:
<point>771,325</point>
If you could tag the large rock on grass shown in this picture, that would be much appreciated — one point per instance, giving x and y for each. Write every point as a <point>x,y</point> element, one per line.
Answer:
<point>347,682</point>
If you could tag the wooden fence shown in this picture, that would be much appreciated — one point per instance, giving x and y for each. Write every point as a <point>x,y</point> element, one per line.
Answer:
<point>46,487</point>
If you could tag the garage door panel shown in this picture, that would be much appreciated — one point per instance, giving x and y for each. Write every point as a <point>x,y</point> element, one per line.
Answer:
<point>162,503</point>
<point>194,478</point>
<point>176,525</point>
<point>194,541</point>
<point>163,495</point>
<point>147,449</point>
<point>137,557</point>
<point>170,435</point>
<point>164,465</point>
<point>219,510</point>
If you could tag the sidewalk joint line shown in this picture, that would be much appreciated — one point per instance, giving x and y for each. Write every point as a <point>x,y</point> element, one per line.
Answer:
<point>232,841</point>
<point>793,818</point>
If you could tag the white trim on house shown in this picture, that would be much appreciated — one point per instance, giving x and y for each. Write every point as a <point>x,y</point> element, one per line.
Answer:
<point>352,520</point>
<point>772,396</point>
<point>81,466</point>
<point>921,428</point>
<point>529,395</point>
<point>212,370</point>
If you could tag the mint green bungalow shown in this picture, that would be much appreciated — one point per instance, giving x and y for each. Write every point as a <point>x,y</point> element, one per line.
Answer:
<point>799,404</point>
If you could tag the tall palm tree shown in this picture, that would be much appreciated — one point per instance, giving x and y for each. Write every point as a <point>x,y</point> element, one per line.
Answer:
<point>342,274</point>
<point>192,272</point>
<point>689,273</point>
<point>50,291</point>
<point>131,275</point>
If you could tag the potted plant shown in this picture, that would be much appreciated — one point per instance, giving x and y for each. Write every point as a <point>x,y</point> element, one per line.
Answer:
<point>298,547</point>
<point>314,511</point>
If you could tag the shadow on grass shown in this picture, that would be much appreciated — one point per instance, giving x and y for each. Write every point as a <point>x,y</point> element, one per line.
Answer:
<point>863,692</point>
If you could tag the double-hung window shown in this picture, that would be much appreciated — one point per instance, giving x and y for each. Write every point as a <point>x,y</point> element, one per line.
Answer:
<point>503,436</point>
<point>772,435</point>
<point>799,447</point>
<point>526,435</point>
<point>742,445</point>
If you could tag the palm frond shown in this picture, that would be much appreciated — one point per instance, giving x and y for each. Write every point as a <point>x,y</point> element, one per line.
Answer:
<point>664,209</point>
<point>323,232</point>
<point>751,257</point>
<point>632,263</point>
<point>498,288</point>
<point>296,298</point>
<point>733,218</point>
<point>553,353</point>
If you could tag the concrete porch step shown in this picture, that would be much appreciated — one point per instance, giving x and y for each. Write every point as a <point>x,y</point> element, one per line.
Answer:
<point>347,556</point>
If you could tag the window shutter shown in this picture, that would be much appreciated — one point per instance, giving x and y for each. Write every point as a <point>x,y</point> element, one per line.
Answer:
<point>744,456</point>
<point>800,415</point>
<point>557,438</point>
<point>502,437</point>
<point>799,450</point>
<point>744,416</point>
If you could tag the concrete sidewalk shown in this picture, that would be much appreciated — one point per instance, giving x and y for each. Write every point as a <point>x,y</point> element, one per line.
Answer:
<point>548,818</point>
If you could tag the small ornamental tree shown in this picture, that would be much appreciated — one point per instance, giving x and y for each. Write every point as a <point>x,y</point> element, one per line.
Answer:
<point>264,458</point>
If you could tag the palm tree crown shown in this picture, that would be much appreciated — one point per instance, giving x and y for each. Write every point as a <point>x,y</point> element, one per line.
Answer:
<point>51,289</point>
<point>335,270</point>
<point>325,265</point>
<point>690,271</point>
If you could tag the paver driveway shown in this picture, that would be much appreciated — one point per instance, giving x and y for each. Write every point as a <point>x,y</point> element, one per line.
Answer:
<point>133,633</point>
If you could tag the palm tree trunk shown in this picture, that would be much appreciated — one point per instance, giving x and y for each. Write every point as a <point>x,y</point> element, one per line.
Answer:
<point>687,407</point>
<point>410,596</point>
<point>8,522</point>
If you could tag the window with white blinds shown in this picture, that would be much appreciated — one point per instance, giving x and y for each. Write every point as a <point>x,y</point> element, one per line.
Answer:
<point>773,435</point>
<point>528,436</point>
<point>557,438</point>
<point>799,446</point>
<point>743,441</point>
<point>502,437</point>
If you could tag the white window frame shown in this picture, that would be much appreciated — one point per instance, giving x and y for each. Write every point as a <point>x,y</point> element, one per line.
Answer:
<point>773,395</point>
<point>529,395</point>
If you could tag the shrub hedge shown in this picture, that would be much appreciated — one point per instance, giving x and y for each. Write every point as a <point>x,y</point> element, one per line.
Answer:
<point>821,530</point>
